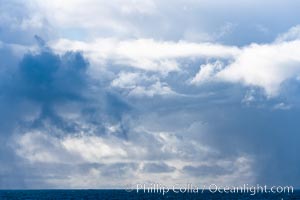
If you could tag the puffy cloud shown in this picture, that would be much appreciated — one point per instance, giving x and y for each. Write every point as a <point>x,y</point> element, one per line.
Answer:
<point>264,65</point>
<point>292,34</point>
<point>267,66</point>
<point>139,84</point>
<point>207,72</point>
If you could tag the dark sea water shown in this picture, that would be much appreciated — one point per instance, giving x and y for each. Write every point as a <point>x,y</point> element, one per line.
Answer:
<point>124,195</point>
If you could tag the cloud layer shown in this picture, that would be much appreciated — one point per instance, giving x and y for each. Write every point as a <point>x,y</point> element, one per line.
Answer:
<point>148,92</point>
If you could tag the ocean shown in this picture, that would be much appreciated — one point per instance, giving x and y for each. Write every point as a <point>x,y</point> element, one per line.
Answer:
<point>124,195</point>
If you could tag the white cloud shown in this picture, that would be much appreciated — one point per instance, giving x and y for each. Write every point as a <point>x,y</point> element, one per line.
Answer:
<point>249,97</point>
<point>263,65</point>
<point>292,34</point>
<point>139,84</point>
<point>106,159</point>
<point>160,19</point>
<point>128,80</point>
<point>97,15</point>
<point>41,147</point>
<point>157,88</point>
<point>207,72</point>
<point>149,48</point>
<point>145,54</point>
<point>94,149</point>
<point>266,66</point>
<point>282,106</point>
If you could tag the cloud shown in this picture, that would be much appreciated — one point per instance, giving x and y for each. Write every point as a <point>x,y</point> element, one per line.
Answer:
<point>292,34</point>
<point>43,148</point>
<point>207,72</point>
<point>115,16</point>
<point>267,66</point>
<point>146,54</point>
<point>117,95</point>
<point>261,65</point>
<point>157,168</point>
<point>139,85</point>
<point>282,106</point>
<point>49,93</point>
<point>38,147</point>
<point>164,21</point>
<point>39,82</point>
<point>152,131</point>
<point>20,20</point>
<point>94,158</point>
<point>48,77</point>
<point>156,89</point>
<point>94,148</point>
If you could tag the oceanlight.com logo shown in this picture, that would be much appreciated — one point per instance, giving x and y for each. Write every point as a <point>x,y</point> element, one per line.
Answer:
<point>212,188</point>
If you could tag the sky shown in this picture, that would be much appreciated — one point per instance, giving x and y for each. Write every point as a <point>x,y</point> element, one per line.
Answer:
<point>105,94</point>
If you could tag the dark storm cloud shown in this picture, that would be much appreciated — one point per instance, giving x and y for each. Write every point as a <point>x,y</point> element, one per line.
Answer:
<point>46,80</point>
<point>32,92</point>
<point>49,78</point>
